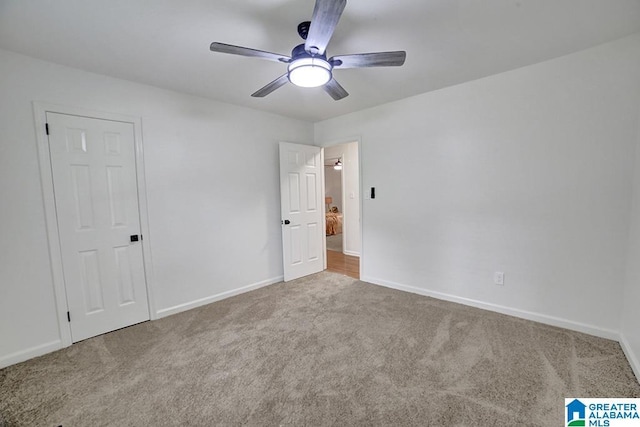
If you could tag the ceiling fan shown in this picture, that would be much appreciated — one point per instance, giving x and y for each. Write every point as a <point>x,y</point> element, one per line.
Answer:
<point>308,63</point>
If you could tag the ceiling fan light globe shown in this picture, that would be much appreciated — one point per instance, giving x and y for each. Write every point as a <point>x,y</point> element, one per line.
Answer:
<point>309,72</point>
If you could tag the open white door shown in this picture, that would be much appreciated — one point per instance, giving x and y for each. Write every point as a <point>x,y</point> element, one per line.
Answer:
<point>302,209</point>
<point>96,195</point>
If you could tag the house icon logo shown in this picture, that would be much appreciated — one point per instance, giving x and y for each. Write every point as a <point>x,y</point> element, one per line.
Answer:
<point>576,413</point>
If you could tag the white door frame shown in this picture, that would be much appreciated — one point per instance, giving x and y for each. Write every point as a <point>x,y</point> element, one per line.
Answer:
<point>360,189</point>
<point>40,111</point>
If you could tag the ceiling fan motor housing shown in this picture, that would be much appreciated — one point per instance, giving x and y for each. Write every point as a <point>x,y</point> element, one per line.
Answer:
<point>300,52</point>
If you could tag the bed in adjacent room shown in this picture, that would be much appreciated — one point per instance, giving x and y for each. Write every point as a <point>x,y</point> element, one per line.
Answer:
<point>334,222</point>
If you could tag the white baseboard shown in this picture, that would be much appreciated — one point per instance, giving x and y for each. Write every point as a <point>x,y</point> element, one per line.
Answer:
<point>528,315</point>
<point>351,253</point>
<point>208,300</point>
<point>631,356</point>
<point>30,353</point>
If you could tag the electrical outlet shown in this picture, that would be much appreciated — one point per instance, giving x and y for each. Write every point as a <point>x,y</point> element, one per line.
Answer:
<point>498,278</point>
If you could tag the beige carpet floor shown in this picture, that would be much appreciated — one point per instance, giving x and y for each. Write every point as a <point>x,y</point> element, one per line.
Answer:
<point>322,350</point>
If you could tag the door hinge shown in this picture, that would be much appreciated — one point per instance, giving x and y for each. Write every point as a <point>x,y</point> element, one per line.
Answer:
<point>68,316</point>
<point>46,128</point>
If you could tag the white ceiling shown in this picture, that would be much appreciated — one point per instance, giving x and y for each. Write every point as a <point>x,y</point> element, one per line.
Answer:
<point>166,42</point>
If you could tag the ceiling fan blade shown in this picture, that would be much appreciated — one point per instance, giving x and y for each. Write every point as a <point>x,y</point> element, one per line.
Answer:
<point>334,89</point>
<point>326,15</point>
<point>245,51</point>
<point>279,82</point>
<point>377,59</point>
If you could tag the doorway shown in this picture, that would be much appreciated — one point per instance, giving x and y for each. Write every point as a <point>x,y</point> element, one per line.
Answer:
<point>342,207</point>
<point>93,182</point>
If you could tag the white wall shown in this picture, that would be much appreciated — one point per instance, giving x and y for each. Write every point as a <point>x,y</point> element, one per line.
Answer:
<point>351,195</point>
<point>630,331</point>
<point>527,172</point>
<point>213,194</point>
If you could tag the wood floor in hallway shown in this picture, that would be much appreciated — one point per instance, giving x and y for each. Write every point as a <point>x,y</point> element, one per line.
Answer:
<point>343,264</point>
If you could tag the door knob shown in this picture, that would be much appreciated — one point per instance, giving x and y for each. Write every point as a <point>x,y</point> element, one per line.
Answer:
<point>287,222</point>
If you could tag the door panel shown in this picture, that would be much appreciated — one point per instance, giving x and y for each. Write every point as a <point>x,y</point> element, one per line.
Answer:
<point>95,186</point>
<point>300,184</point>
<point>91,286</point>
